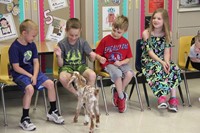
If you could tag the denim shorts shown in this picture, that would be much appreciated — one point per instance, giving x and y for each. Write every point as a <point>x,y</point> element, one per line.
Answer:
<point>23,81</point>
<point>116,72</point>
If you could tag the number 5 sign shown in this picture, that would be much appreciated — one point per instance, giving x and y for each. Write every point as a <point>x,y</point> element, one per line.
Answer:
<point>49,18</point>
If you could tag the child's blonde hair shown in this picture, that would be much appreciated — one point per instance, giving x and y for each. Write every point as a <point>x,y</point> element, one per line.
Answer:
<point>73,23</point>
<point>121,22</point>
<point>27,25</point>
<point>166,26</point>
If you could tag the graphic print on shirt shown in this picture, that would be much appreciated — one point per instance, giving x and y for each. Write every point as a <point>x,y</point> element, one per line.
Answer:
<point>114,54</point>
<point>73,57</point>
<point>27,56</point>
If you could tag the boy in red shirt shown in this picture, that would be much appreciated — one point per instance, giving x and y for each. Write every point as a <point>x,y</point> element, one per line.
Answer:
<point>114,53</point>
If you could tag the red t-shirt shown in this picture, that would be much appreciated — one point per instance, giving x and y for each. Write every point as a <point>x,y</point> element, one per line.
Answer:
<point>114,49</point>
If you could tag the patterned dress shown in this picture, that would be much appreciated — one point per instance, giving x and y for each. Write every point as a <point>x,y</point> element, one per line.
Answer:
<point>159,81</point>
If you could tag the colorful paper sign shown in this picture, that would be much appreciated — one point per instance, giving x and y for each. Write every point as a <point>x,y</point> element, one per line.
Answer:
<point>57,4</point>
<point>155,4</point>
<point>110,13</point>
<point>5,1</point>
<point>56,30</point>
<point>7,27</point>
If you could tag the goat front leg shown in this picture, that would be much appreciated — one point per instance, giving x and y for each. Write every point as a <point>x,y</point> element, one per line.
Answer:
<point>78,109</point>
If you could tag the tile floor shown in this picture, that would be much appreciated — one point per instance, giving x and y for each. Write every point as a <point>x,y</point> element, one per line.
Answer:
<point>132,121</point>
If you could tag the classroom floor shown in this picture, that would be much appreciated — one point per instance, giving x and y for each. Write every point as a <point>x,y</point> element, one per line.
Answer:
<point>132,121</point>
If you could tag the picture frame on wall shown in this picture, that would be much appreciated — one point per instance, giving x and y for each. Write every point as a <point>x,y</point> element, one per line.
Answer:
<point>188,5</point>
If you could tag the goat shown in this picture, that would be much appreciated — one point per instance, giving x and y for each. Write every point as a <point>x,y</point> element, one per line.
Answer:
<point>88,99</point>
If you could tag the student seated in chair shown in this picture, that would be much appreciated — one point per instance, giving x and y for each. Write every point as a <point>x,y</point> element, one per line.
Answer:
<point>23,56</point>
<point>195,52</point>
<point>114,53</point>
<point>162,74</point>
<point>71,54</point>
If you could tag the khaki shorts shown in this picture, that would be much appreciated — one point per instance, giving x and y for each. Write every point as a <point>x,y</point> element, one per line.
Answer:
<point>70,68</point>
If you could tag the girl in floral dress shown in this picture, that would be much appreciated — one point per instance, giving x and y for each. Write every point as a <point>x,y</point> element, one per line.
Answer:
<point>162,74</point>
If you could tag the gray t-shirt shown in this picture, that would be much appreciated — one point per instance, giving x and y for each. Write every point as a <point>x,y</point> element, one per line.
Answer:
<point>74,54</point>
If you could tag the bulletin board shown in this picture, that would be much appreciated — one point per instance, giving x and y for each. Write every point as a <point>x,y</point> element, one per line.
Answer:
<point>105,11</point>
<point>10,17</point>
<point>53,17</point>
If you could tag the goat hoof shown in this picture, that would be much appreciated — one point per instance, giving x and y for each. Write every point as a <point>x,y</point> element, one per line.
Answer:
<point>86,123</point>
<point>75,121</point>
<point>91,131</point>
<point>97,125</point>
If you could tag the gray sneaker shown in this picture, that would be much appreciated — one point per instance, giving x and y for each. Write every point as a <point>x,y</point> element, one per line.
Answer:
<point>27,125</point>
<point>55,117</point>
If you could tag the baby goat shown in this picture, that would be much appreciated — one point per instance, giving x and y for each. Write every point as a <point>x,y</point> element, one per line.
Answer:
<point>87,98</point>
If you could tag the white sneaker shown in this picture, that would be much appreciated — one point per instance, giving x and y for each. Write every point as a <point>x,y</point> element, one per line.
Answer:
<point>27,125</point>
<point>55,117</point>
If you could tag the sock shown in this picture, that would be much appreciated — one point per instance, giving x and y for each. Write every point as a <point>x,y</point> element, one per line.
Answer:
<point>25,113</point>
<point>121,95</point>
<point>53,107</point>
<point>172,97</point>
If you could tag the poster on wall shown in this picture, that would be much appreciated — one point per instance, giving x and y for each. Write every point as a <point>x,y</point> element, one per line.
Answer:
<point>56,30</point>
<point>155,4</point>
<point>7,27</point>
<point>110,14</point>
<point>5,1</point>
<point>106,33</point>
<point>57,4</point>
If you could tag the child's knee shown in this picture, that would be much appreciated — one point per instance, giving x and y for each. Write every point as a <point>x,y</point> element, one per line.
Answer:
<point>49,84</point>
<point>130,74</point>
<point>92,75</point>
<point>29,90</point>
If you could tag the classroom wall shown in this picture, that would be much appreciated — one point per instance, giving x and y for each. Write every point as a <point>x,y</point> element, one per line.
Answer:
<point>185,22</point>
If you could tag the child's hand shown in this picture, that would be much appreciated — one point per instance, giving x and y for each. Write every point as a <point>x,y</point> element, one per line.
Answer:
<point>102,60</point>
<point>57,51</point>
<point>166,66</point>
<point>92,56</point>
<point>34,80</point>
<point>117,63</point>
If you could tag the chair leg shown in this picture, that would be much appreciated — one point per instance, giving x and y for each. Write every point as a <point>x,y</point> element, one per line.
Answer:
<point>103,95</point>
<point>146,95</point>
<point>3,103</point>
<point>57,96</point>
<point>45,101</point>
<point>131,91</point>
<point>36,100</point>
<point>145,92</point>
<point>139,95</point>
<point>187,90</point>
<point>181,95</point>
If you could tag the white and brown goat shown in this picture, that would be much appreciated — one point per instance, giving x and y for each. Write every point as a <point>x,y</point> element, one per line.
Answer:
<point>88,99</point>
